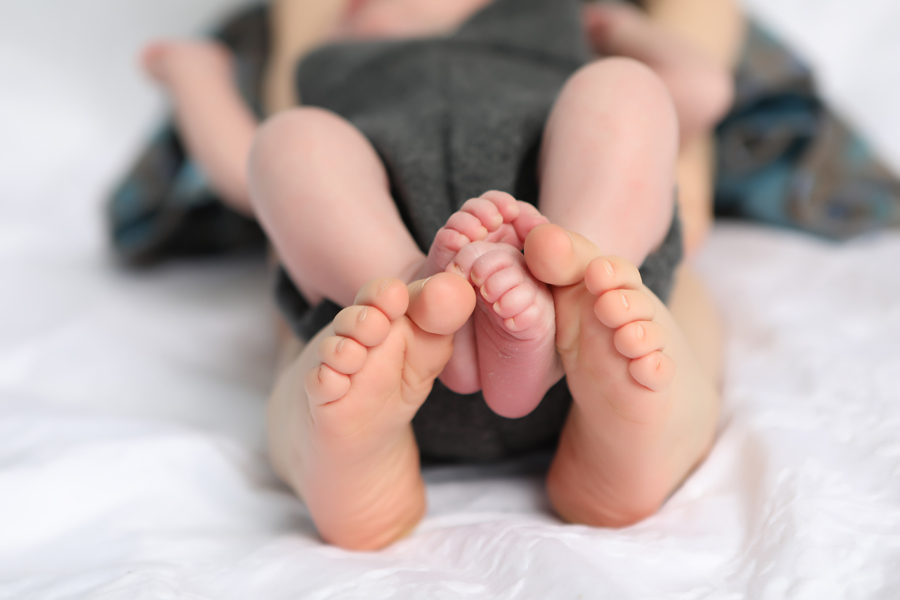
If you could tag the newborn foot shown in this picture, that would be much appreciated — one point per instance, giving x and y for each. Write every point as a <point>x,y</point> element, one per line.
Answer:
<point>644,411</point>
<point>495,217</point>
<point>514,325</point>
<point>353,457</point>
<point>169,62</point>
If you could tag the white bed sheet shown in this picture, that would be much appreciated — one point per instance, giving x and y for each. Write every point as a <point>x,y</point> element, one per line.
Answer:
<point>132,459</point>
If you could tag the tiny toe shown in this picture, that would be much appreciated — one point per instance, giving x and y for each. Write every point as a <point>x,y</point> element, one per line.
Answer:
<point>516,300</point>
<point>506,204</point>
<point>654,371</point>
<point>441,304</point>
<point>618,307</point>
<point>529,218</point>
<point>499,283</point>
<point>639,338</point>
<point>447,243</point>
<point>344,355</point>
<point>524,320</point>
<point>467,224</point>
<point>324,385</point>
<point>556,256</point>
<point>465,259</point>
<point>365,324</point>
<point>610,272</point>
<point>497,258</point>
<point>486,212</point>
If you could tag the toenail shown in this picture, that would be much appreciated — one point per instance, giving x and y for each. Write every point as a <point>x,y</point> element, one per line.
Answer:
<point>477,281</point>
<point>609,268</point>
<point>497,307</point>
<point>455,269</point>
<point>484,292</point>
<point>340,346</point>
<point>384,285</point>
<point>640,332</point>
<point>362,315</point>
<point>625,301</point>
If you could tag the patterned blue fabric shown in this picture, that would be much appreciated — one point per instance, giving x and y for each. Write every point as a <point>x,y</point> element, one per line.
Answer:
<point>786,160</point>
<point>783,158</point>
<point>164,207</point>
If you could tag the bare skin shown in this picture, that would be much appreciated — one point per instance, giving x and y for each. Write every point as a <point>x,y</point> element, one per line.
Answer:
<point>643,417</point>
<point>711,34</point>
<point>644,408</point>
<point>340,415</point>
<point>208,101</point>
<point>712,28</point>
<point>506,349</point>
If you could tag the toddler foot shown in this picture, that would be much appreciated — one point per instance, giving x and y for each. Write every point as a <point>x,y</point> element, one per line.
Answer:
<point>644,411</point>
<point>514,326</point>
<point>354,459</point>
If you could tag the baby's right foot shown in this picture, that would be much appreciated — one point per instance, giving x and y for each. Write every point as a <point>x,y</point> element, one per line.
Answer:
<point>349,449</point>
<point>168,62</point>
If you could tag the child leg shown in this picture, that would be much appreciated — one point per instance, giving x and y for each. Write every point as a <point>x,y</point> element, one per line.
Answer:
<point>607,165</point>
<point>322,194</point>
<point>645,407</point>
<point>216,125</point>
<point>693,46</point>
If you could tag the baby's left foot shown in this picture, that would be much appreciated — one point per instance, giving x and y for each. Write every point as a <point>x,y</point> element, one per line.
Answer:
<point>514,327</point>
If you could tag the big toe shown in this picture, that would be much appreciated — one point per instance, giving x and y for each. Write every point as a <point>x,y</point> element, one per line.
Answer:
<point>556,256</point>
<point>441,304</point>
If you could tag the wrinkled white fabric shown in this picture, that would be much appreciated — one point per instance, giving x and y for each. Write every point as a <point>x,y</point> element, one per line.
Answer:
<point>132,461</point>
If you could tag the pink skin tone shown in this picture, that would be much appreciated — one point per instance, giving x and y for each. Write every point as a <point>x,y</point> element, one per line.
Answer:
<point>573,305</point>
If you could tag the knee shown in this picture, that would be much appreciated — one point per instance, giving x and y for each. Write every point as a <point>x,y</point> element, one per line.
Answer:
<point>285,145</point>
<point>624,87</point>
<point>290,132</point>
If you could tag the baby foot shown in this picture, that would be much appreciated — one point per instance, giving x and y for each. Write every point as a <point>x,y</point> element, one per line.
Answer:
<point>514,328</point>
<point>169,61</point>
<point>644,410</point>
<point>494,217</point>
<point>357,465</point>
